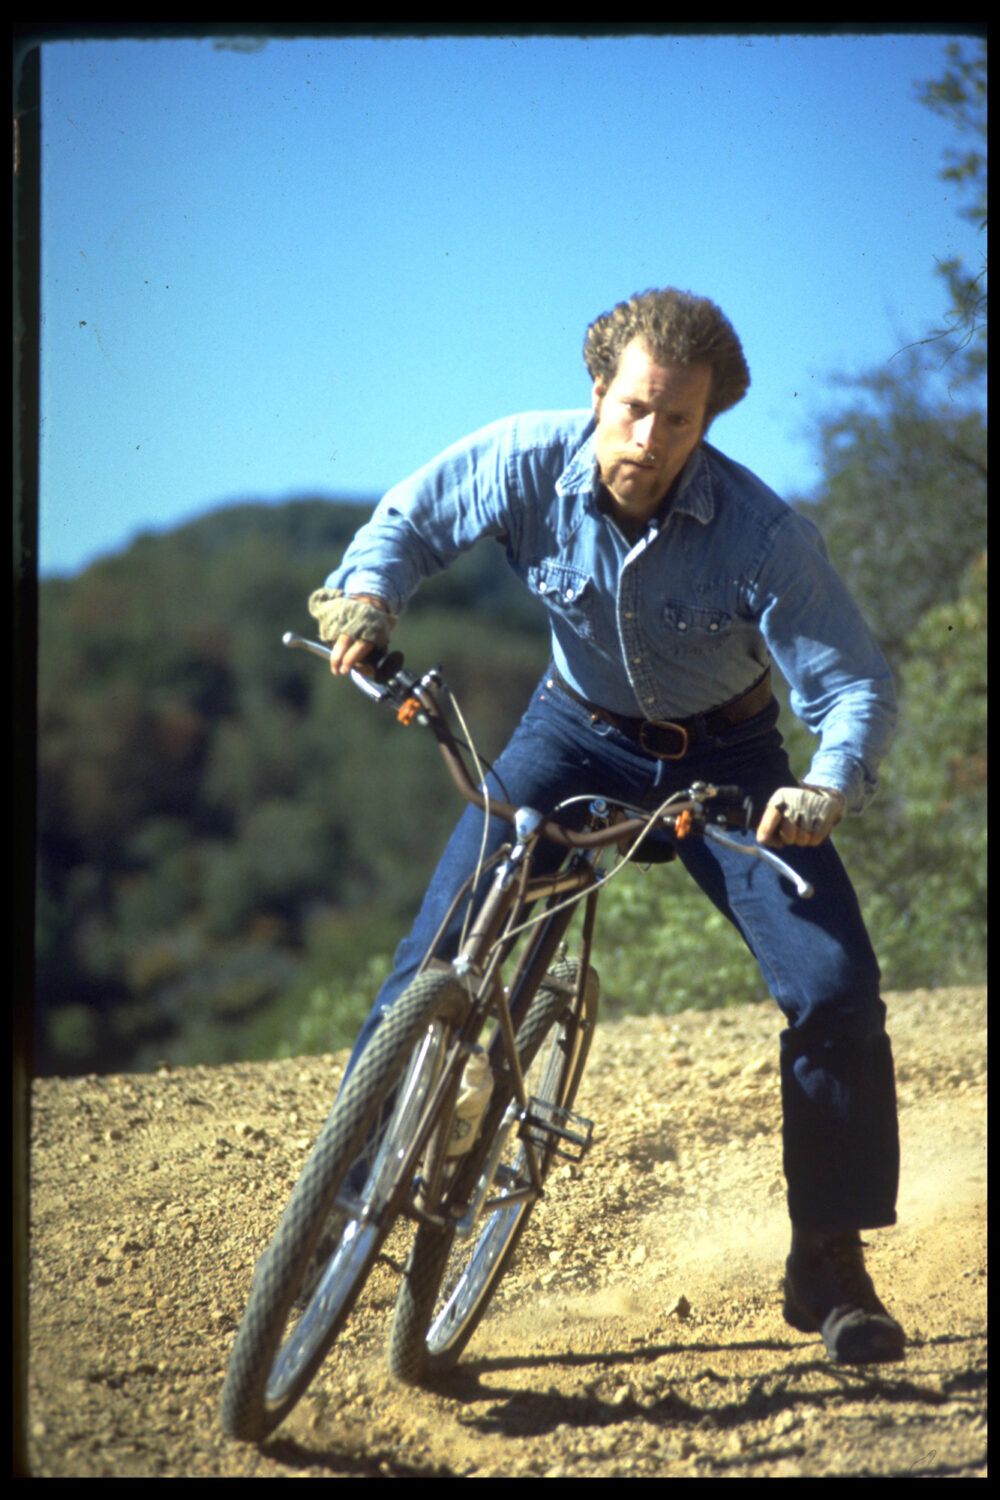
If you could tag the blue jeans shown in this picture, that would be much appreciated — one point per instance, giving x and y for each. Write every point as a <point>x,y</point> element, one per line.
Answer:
<point>841,1152</point>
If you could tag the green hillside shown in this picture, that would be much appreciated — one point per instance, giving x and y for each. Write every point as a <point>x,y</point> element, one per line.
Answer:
<point>231,842</point>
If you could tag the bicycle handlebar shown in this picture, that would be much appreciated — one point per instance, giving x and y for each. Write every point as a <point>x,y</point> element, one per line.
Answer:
<point>704,810</point>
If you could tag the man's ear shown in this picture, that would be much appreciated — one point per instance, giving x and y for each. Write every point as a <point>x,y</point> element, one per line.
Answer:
<point>598,394</point>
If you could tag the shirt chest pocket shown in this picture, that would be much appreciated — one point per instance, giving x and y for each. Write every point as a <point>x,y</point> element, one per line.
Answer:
<point>568,592</point>
<point>696,627</point>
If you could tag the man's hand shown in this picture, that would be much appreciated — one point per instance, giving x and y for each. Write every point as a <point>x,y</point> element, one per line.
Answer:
<point>346,654</point>
<point>803,815</point>
<point>352,625</point>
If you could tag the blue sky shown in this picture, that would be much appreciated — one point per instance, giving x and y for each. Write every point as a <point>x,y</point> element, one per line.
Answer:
<point>305,267</point>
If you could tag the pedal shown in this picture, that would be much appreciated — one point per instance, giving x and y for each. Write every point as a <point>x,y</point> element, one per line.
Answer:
<point>558,1130</point>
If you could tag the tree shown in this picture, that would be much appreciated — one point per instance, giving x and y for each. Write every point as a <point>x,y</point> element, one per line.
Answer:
<point>918,856</point>
<point>960,96</point>
<point>903,504</point>
<point>221,830</point>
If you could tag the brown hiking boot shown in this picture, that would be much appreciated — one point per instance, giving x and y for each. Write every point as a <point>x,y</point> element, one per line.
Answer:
<point>828,1291</point>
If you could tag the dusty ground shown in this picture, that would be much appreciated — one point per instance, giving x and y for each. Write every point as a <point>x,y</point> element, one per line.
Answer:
<point>640,1333</point>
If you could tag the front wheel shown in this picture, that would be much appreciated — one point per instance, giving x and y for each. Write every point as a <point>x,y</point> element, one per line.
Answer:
<point>341,1210</point>
<point>450,1280</point>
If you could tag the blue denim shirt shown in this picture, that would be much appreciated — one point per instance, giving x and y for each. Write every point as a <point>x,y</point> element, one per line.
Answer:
<point>671,625</point>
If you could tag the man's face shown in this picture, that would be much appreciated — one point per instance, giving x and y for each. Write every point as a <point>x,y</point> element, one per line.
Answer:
<point>650,419</point>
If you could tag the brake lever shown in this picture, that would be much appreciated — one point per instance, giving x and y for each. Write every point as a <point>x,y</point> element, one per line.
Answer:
<point>299,641</point>
<point>758,851</point>
<point>384,665</point>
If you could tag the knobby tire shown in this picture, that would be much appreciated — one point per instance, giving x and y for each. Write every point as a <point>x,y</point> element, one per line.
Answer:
<point>266,1377</point>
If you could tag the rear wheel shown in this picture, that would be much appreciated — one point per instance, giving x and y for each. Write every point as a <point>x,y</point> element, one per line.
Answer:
<point>449,1280</point>
<point>341,1210</point>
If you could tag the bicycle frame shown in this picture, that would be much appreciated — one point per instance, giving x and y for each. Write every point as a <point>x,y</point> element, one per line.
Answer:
<point>495,923</point>
<point>492,933</point>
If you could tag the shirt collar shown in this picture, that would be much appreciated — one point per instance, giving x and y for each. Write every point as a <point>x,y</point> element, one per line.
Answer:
<point>580,474</point>
<point>692,496</point>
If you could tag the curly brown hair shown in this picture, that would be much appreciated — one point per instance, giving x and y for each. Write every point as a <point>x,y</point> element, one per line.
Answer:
<point>679,329</point>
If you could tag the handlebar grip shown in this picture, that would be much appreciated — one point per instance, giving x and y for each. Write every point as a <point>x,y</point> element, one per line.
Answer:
<point>384,664</point>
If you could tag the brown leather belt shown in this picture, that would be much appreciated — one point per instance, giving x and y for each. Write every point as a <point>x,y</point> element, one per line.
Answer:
<point>669,739</point>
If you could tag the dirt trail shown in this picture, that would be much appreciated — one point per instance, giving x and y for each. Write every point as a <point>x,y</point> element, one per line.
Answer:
<point>639,1334</point>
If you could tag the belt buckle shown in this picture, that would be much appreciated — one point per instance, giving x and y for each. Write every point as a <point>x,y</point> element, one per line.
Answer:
<point>660,724</point>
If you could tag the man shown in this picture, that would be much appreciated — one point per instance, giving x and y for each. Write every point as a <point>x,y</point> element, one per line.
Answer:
<point>673,579</point>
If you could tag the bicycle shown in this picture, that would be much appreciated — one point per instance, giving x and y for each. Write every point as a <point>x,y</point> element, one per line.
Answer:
<point>402,1141</point>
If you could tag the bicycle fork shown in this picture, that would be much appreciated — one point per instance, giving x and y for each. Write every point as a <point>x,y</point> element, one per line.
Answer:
<point>541,1127</point>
